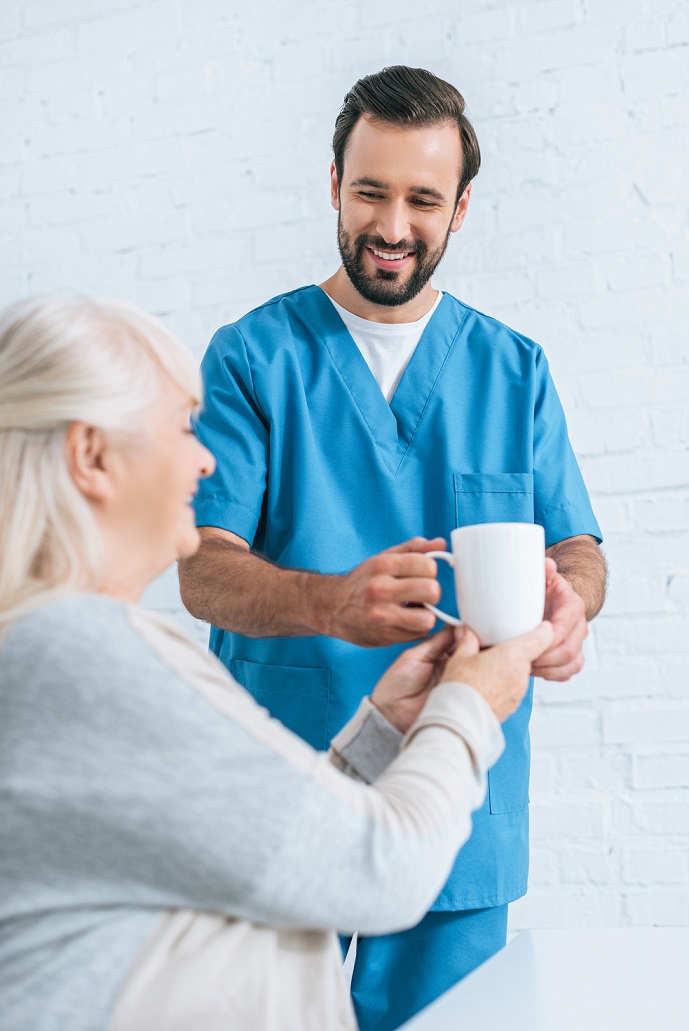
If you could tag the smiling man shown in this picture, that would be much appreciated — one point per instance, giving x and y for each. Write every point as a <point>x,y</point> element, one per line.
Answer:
<point>348,419</point>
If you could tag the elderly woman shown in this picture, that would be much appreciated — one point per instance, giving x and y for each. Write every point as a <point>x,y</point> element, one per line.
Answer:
<point>172,858</point>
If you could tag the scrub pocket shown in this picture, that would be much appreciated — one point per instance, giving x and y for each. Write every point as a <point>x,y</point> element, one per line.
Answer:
<point>502,498</point>
<point>493,498</point>
<point>298,696</point>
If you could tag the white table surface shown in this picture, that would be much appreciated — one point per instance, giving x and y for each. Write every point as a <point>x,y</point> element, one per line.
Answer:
<point>622,979</point>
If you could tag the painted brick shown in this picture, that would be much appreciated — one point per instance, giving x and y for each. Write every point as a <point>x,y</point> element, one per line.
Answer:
<point>678,26</point>
<point>603,771</point>
<point>10,22</point>
<point>658,71</point>
<point>543,17</point>
<point>544,869</point>
<point>624,430</point>
<point>661,771</point>
<point>645,34</point>
<point>658,908</point>
<point>670,427</point>
<point>564,48</point>
<point>562,728</point>
<point>678,591</point>
<point>629,593</point>
<point>38,14</point>
<point>652,819</point>
<point>589,866</point>
<point>635,272</point>
<point>575,908</point>
<point>666,512</point>
<point>650,469</point>
<point>649,866</point>
<point>37,49</point>
<point>580,819</point>
<point>644,635</point>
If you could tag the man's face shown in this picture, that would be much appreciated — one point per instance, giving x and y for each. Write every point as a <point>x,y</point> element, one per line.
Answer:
<point>397,206</point>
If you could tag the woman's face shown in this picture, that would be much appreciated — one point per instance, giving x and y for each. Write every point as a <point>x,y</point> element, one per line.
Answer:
<point>155,480</point>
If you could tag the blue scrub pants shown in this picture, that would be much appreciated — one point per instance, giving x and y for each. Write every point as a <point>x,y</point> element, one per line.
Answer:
<point>396,975</point>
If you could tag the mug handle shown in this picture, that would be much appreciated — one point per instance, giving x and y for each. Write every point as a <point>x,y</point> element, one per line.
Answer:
<point>448,557</point>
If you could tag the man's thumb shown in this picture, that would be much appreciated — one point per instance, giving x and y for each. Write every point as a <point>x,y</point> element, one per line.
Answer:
<point>538,641</point>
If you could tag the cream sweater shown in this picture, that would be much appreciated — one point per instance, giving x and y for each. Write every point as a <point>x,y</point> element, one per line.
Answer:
<point>175,859</point>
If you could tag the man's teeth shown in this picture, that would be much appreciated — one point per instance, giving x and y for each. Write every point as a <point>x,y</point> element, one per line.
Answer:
<point>390,255</point>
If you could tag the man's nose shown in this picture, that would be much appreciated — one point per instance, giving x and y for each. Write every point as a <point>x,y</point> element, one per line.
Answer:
<point>393,223</point>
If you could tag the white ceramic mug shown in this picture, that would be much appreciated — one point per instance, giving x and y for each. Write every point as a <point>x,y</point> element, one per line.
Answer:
<point>499,579</point>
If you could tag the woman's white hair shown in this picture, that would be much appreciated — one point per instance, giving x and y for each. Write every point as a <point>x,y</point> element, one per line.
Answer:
<point>98,361</point>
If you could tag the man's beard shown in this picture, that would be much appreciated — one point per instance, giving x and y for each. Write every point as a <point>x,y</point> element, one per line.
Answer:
<point>382,287</point>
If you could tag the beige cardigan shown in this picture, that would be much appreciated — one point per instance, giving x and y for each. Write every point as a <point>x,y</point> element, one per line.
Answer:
<point>215,854</point>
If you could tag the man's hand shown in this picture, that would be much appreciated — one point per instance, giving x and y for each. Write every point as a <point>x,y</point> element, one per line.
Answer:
<point>401,692</point>
<point>380,601</point>
<point>565,609</point>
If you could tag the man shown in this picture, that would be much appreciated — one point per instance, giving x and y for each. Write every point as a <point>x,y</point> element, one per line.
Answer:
<point>353,416</point>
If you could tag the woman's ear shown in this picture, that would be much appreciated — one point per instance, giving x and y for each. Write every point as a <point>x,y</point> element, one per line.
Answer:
<point>88,453</point>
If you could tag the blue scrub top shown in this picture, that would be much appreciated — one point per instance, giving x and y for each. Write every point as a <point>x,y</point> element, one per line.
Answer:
<point>317,471</point>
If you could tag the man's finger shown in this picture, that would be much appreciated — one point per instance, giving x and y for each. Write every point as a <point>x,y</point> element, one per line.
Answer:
<point>411,564</point>
<point>561,653</point>
<point>559,673</point>
<point>420,544</point>
<point>416,621</point>
<point>420,590</point>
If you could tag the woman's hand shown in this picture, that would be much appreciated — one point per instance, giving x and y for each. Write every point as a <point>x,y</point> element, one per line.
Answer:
<point>501,673</point>
<point>401,692</point>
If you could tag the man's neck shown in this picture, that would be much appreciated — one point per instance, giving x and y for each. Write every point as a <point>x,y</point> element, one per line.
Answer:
<point>339,288</point>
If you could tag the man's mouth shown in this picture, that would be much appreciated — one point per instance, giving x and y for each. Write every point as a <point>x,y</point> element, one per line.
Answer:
<point>390,259</point>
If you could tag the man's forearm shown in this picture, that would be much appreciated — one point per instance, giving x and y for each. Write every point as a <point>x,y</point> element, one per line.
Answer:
<point>233,588</point>
<point>583,565</point>
<point>230,586</point>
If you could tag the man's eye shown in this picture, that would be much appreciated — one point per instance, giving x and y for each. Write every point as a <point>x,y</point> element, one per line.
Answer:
<point>423,203</point>
<point>369,196</point>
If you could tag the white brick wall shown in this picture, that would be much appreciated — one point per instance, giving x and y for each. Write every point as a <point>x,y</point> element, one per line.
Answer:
<point>176,153</point>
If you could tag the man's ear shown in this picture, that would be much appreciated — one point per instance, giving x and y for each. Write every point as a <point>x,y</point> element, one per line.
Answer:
<point>334,188</point>
<point>87,453</point>
<point>460,210</point>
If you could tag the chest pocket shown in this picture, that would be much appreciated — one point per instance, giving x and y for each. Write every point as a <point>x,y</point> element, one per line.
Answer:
<point>502,498</point>
<point>493,498</point>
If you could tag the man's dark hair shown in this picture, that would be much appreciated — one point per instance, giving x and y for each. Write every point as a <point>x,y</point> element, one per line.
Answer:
<point>412,97</point>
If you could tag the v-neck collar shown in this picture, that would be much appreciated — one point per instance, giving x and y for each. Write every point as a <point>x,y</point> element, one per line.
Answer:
<point>393,425</point>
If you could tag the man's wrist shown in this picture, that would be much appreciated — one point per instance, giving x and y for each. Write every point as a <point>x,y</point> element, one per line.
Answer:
<point>316,593</point>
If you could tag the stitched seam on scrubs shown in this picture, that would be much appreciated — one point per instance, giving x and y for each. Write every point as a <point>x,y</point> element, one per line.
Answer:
<point>253,385</point>
<point>485,901</point>
<point>559,508</point>
<point>225,499</point>
<point>378,442</point>
<point>435,382</point>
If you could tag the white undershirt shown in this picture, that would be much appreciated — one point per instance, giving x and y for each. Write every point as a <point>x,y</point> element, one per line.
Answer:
<point>386,347</point>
